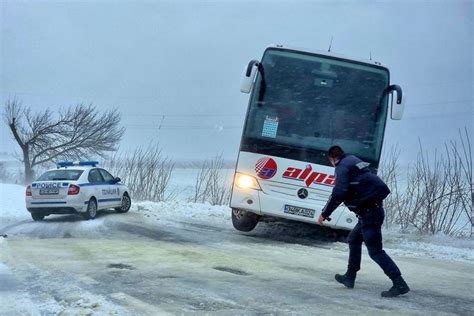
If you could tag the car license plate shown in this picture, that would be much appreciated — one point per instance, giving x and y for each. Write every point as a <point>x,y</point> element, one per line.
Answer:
<point>299,211</point>
<point>49,191</point>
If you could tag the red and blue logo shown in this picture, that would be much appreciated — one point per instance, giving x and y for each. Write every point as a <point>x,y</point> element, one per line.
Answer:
<point>266,168</point>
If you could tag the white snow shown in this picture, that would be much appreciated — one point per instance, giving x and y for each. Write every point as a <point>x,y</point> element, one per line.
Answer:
<point>12,205</point>
<point>437,246</point>
<point>184,211</point>
<point>50,289</point>
<point>12,210</point>
<point>79,302</point>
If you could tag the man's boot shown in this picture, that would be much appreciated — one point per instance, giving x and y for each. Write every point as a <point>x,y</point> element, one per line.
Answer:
<point>399,287</point>
<point>346,279</point>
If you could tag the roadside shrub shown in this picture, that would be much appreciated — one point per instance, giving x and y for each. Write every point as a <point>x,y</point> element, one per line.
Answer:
<point>437,192</point>
<point>212,183</point>
<point>146,172</point>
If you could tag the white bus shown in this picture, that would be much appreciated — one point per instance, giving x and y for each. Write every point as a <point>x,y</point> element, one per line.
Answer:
<point>302,102</point>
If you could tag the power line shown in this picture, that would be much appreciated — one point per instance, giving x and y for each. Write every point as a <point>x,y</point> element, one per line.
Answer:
<point>100,96</point>
<point>437,115</point>
<point>447,102</point>
<point>232,127</point>
<point>440,83</point>
<point>242,115</point>
<point>176,95</point>
<point>442,103</point>
<point>178,127</point>
<point>183,115</point>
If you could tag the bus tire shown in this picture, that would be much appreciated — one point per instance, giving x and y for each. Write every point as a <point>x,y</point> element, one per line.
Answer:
<point>37,216</point>
<point>244,221</point>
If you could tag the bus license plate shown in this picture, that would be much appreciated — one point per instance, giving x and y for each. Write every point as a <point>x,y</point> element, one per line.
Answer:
<point>49,191</point>
<point>299,211</point>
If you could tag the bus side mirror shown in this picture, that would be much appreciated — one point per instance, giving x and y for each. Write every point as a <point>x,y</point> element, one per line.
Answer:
<point>398,102</point>
<point>248,76</point>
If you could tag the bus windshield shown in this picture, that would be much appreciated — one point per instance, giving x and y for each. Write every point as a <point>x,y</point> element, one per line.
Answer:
<point>303,103</point>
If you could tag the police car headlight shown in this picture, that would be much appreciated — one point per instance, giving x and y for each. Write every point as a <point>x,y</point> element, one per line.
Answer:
<point>244,181</point>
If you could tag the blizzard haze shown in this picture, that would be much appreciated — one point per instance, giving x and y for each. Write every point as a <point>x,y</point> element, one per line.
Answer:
<point>173,67</point>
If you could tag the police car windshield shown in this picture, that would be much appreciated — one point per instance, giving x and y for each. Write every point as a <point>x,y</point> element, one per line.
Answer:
<point>59,174</point>
<point>309,102</point>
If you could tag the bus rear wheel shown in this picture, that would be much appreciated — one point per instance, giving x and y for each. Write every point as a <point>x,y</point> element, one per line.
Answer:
<point>244,221</point>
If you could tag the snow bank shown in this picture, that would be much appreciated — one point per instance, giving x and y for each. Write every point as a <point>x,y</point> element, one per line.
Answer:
<point>184,211</point>
<point>427,246</point>
<point>12,205</point>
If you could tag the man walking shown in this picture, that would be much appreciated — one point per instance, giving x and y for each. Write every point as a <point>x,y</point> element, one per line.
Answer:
<point>362,192</point>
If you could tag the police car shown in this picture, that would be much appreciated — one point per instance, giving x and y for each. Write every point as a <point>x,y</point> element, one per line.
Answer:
<point>76,188</point>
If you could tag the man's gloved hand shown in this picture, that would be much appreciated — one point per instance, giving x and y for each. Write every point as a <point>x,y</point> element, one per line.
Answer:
<point>321,219</point>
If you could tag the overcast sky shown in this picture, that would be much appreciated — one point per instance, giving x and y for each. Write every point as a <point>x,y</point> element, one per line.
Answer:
<point>183,59</point>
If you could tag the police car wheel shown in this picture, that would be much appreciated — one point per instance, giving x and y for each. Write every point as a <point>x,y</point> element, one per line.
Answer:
<point>37,217</point>
<point>243,220</point>
<point>126,203</point>
<point>91,209</point>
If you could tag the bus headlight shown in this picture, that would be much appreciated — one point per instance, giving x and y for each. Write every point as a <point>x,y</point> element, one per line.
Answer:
<point>246,182</point>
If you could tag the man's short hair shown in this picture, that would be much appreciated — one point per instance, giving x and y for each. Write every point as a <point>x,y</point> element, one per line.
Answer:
<point>335,151</point>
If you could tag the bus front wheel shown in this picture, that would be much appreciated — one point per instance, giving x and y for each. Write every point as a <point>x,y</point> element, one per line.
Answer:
<point>243,220</point>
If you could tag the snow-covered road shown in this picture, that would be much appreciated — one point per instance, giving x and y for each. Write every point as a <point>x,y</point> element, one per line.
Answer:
<point>183,257</point>
<point>127,264</point>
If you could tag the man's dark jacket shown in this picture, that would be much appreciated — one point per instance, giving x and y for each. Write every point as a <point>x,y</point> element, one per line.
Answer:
<point>356,186</point>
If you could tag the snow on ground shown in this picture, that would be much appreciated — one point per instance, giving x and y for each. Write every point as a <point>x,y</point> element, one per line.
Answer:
<point>12,210</point>
<point>12,205</point>
<point>438,246</point>
<point>10,169</point>
<point>77,302</point>
<point>396,243</point>
<point>184,211</point>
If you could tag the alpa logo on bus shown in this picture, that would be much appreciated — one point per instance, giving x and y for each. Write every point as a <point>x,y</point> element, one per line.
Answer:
<point>309,176</point>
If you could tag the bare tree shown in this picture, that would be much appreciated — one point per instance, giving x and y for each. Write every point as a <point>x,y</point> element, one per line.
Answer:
<point>74,133</point>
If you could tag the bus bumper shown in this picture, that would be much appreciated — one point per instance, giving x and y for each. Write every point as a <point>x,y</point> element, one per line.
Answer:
<point>261,203</point>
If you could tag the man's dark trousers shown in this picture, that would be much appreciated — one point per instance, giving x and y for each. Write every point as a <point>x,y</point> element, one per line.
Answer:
<point>369,231</point>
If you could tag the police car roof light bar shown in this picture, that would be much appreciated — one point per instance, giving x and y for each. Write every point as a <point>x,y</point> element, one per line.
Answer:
<point>63,164</point>
<point>88,163</point>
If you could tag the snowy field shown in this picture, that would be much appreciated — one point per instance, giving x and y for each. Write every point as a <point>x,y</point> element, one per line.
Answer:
<point>179,257</point>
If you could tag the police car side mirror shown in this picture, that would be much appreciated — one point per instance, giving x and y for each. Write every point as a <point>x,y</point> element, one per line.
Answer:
<point>117,180</point>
